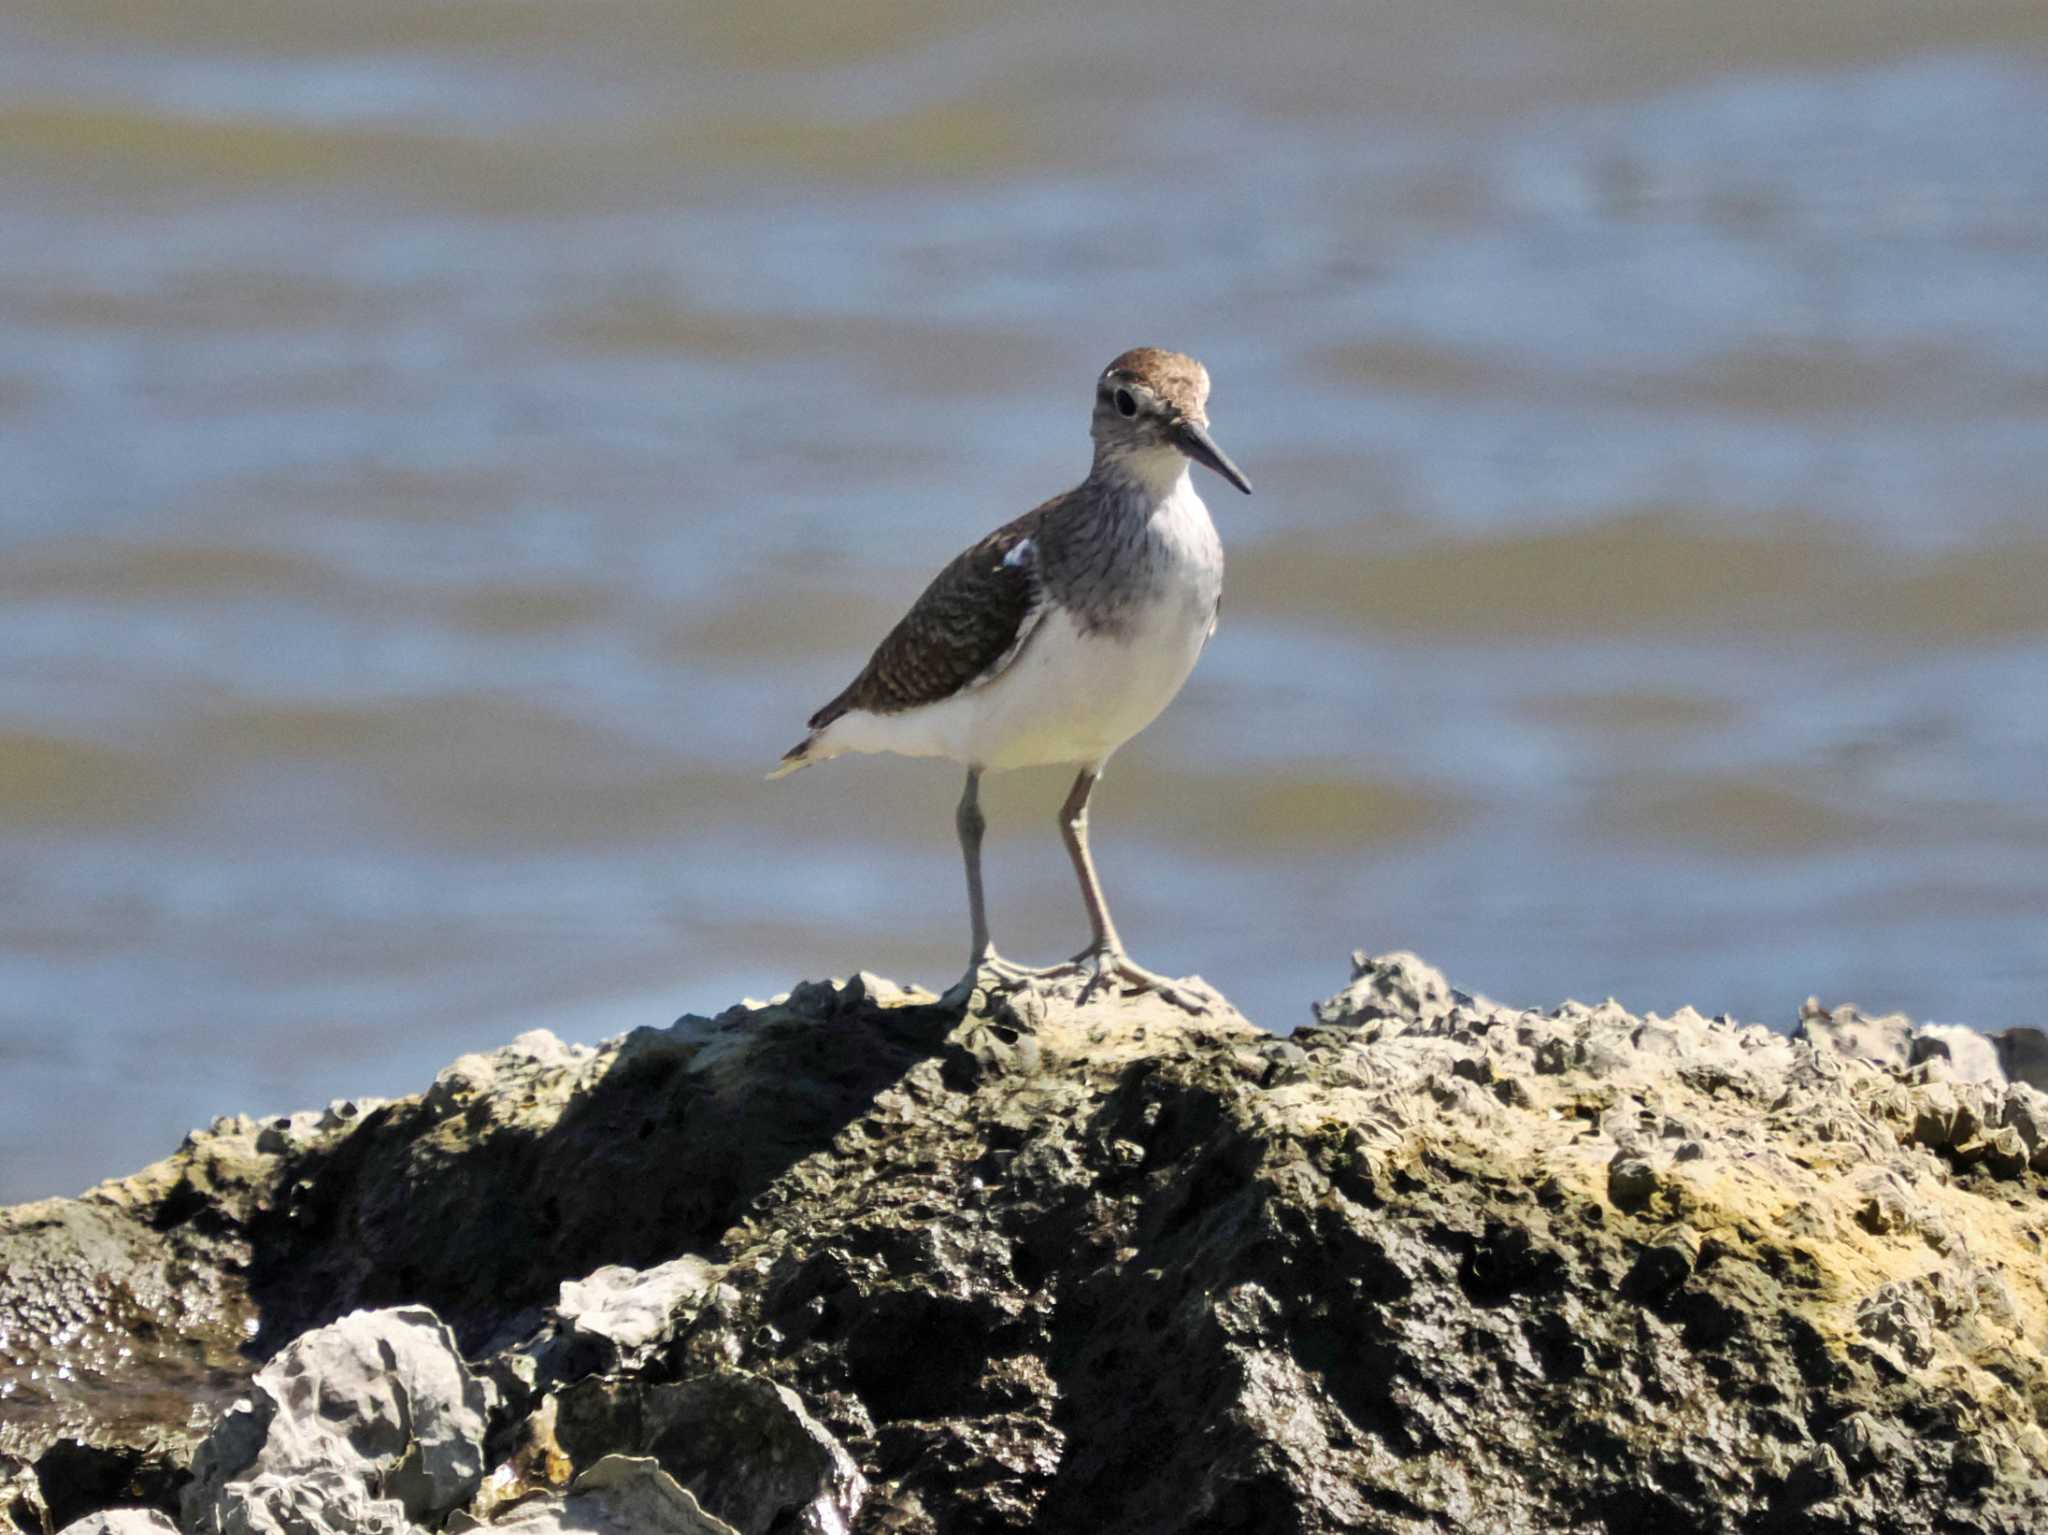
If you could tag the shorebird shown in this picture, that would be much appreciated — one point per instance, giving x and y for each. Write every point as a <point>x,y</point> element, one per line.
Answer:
<point>1055,640</point>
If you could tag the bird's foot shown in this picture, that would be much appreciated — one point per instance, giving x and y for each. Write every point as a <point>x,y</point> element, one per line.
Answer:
<point>1111,971</point>
<point>992,975</point>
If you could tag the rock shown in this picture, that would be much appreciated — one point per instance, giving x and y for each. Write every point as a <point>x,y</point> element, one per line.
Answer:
<point>853,1260</point>
<point>22,1508</point>
<point>1387,989</point>
<point>1972,1056</point>
<point>742,1445</point>
<point>81,1476</point>
<point>620,1495</point>
<point>122,1521</point>
<point>1941,1117</point>
<point>1631,1180</point>
<point>2025,1111</point>
<point>317,1501</point>
<point>110,1330</point>
<point>1664,1264</point>
<point>631,1310</point>
<point>369,1422</point>
<point>1845,1029</point>
<point>2005,1155</point>
<point>2023,1056</point>
<point>1897,1317</point>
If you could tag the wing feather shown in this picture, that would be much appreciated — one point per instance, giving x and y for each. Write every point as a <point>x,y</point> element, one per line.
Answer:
<point>968,627</point>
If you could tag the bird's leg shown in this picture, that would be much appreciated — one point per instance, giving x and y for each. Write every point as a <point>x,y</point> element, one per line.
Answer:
<point>1104,960</point>
<point>983,963</point>
<point>970,823</point>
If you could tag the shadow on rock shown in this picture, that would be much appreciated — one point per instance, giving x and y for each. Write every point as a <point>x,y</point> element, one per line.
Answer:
<point>541,1162</point>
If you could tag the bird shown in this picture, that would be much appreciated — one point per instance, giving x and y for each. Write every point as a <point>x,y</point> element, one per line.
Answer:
<point>1053,641</point>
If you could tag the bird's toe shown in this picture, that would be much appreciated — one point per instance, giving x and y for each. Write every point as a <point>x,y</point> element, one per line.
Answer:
<point>1113,971</point>
<point>992,975</point>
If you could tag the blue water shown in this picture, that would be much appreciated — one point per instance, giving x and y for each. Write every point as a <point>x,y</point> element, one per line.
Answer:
<point>445,453</point>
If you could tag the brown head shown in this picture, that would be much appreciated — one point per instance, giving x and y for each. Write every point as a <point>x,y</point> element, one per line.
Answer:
<point>1149,401</point>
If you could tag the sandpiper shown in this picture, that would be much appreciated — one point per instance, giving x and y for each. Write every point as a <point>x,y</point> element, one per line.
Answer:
<point>1055,640</point>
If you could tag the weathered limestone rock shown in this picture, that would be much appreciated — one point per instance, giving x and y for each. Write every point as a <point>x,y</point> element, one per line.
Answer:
<point>1963,1054</point>
<point>122,1521</point>
<point>851,1260</point>
<point>368,1423</point>
<point>1390,993</point>
<point>741,1444</point>
<point>625,1312</point>
<point>620,1495</point>
<point>1886,1041</point>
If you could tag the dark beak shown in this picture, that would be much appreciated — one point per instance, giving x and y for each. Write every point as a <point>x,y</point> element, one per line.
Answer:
<point>1201,447</point>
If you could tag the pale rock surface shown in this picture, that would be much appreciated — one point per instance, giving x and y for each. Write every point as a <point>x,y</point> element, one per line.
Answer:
<point>122,1521</point>
<point>620,1495</point>
<point>1883,1041</point>
<point>366,1423</point>
<point>629,1311</point>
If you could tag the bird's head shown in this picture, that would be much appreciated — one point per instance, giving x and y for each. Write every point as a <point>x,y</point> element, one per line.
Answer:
<point>1151,412</point>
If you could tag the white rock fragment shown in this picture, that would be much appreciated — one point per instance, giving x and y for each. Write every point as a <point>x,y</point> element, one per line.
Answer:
<point>369,1423</point>
<point>634,1310</point>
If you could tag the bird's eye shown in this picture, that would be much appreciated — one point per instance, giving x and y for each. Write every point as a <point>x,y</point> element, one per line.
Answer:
<point>1126,405</point>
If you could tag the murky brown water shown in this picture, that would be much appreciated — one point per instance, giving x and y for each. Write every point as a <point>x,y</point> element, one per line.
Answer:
<point>446,450</point>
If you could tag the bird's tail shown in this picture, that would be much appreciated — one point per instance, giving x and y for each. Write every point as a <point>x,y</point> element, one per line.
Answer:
<point>797,756</point>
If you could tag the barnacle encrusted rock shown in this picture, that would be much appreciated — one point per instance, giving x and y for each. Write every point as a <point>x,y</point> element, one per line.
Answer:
<point>854,1260</point>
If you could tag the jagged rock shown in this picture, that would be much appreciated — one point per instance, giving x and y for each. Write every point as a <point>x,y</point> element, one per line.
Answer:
<point>122,1521</point>
<point>2025,1111</point>
<point>1845,1028</point>
<point>1631,1180</point>
<point>1389,992</point>
<point>365,1424</point>
<point>1432,1263</point>
<point>318,1501</point>
<point>1898,1317</point>
<point>742,1445</point>
<point>632,1310</point>
<point>1966,1055</point>
<point>2004,1154</point>
<point>620,1495</point>
<point>1664,1264</point>
<point>22,1507</point>
<point>2023,1056</point>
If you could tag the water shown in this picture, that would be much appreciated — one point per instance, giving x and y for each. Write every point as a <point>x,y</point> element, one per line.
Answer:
<point>446,451</point>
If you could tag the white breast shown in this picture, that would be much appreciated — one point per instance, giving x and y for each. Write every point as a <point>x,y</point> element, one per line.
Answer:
<point>1075,698</point>
<point>1072,696</point>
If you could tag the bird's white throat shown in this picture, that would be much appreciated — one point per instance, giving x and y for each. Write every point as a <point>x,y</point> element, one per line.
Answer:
<point>1157,474</point>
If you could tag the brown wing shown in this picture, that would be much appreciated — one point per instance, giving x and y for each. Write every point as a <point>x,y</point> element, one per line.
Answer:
<point>969,624</point>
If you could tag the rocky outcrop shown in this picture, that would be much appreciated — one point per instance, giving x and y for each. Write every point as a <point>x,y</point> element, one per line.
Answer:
<point>2011,1055</point>
<point>854,1260</point>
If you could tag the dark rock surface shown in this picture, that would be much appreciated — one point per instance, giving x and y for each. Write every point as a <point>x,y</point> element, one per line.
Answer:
<point>853,1261</point>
